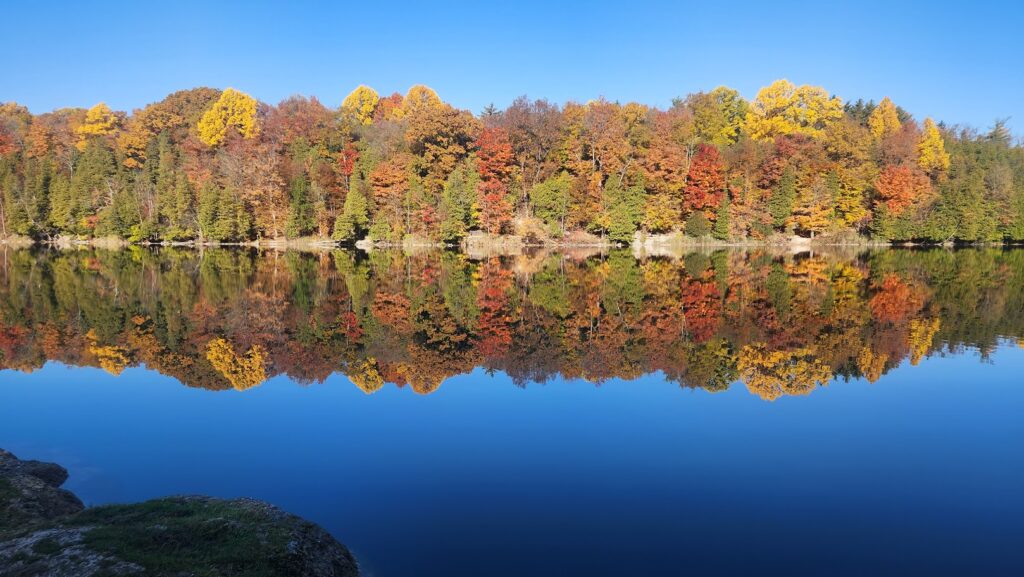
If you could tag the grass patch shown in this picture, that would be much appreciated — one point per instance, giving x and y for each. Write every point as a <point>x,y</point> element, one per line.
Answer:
<point>7,492</point>
<point>171,536</point>
<point>47,546</point>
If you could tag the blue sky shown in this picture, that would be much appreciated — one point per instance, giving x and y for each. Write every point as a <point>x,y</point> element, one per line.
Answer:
<point>961,64</point>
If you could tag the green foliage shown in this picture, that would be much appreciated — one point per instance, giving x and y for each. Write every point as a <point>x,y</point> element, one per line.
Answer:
<point>780,203</point>
<point>624,208</point>
<point>172,536</point>
<point>550,201</point>
<point>300,209</point>
<point>697,225</point>
<point>457,202</point>
<point>721,229</point>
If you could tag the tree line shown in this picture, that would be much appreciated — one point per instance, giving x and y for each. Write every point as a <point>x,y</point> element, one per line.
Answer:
<point>219,166</point>
<point>780,325</point>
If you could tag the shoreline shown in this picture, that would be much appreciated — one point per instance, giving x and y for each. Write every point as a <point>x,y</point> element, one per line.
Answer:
<point>643,245</point>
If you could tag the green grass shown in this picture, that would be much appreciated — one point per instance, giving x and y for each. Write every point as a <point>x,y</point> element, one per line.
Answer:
<point>7,492</point>
<point>47,546</point>
<point>168,537</point>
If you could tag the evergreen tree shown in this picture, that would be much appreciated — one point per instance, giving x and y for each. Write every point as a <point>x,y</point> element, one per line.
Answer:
<point>780,203</point>
<point>697,225</point>
<point>352,221</point>
<point>457,201</point>
<point>300,209</point>
<point>721,228</point>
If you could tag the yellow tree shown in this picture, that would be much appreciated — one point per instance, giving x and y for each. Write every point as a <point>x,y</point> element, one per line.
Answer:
<point>361,103</point>
<point>784,108</point>
<point>418,98</point>
<point>242,371</point>
<point>871,364</point>
<point>99,121</point>
<point>813,212</point>
<point>771,374</point>
<point>365,375</point>
<point>922,333</point>
<point>233,110</point>
<point>884,119</point>
<point>931,151</point>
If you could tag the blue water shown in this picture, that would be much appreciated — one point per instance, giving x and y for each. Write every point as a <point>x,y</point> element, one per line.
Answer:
<point>921,473</point>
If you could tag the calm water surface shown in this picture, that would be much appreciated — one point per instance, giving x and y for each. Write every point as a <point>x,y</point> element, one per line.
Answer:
<point>720,414</point>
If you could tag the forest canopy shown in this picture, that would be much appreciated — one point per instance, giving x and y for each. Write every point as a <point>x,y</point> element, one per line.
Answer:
<point>219,166</point>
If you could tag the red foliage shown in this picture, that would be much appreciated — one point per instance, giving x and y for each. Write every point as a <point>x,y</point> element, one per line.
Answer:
<point>494,163</point>
<point>702,308</point>
<point>347,159</point>
<point>495,321</point>
<point>705,181</point>
<point>901,186</point>
<point>896,301</point>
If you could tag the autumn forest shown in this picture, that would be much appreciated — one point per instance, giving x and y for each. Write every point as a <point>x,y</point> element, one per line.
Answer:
<point>208,166</point>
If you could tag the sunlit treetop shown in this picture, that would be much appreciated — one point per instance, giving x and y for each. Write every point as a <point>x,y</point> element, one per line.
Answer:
<point>783,108</point>
<point>718,115</point>
<point>884,119</point>
<point>931,150</point>
<point>419,97</point>
<point>233,110</point>
<point>360,104</point>
<point>99,121</point>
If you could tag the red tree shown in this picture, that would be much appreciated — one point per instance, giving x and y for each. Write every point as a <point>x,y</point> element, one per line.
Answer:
<point>706,180</point>
<point>901,186</point>
<point>494,163</point>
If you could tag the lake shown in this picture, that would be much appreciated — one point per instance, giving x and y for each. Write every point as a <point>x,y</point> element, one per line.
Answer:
<point>722,413</point>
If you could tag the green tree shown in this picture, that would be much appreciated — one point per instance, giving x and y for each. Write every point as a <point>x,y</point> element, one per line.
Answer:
<point>780,203</point>
<point>624,207</point>
<point>352,221</point>
<point>721,228</point>
<point>550,201</point>
<point>300,208</point>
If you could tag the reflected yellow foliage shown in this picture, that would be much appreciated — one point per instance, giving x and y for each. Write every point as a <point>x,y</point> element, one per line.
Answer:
<point>922,332</point>
<point>365,375</point>
<point>871,364</point>
<point>112,359</point>
<point>243,372</point>
<point>771,374</point>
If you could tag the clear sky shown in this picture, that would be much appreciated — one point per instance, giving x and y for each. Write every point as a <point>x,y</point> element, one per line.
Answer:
<point>962,63</point>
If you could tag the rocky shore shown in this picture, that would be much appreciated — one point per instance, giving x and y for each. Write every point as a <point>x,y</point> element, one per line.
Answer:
<point>46,531</point>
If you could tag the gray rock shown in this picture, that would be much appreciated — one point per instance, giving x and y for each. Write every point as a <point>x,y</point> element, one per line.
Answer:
<point>46,532</point>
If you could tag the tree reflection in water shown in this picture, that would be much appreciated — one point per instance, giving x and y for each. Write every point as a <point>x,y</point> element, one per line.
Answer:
<point>779,324</point>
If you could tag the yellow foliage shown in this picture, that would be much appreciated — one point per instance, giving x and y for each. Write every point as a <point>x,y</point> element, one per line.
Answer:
<point>418,98</point>
<point>784,108</point>
<point>365,375</point>
<point>884,120</point>
<point>233,109</point>
<point>100,120</point>
<point>243,372</point>
<point>931,150</point>
<point>922,333</point>
<point>771,374</point>
<point>361,103</point>
<point>112,359</point>
<point>871,364</point>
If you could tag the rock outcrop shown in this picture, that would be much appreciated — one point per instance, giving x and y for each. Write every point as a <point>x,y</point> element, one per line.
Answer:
<point>46,531</point>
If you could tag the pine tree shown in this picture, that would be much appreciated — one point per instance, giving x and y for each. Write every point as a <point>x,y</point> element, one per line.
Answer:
<point>721,228</point>
<point>352,221</point>
<point>300,209</point>
<point>457,200</point>
<point>780,203</point>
